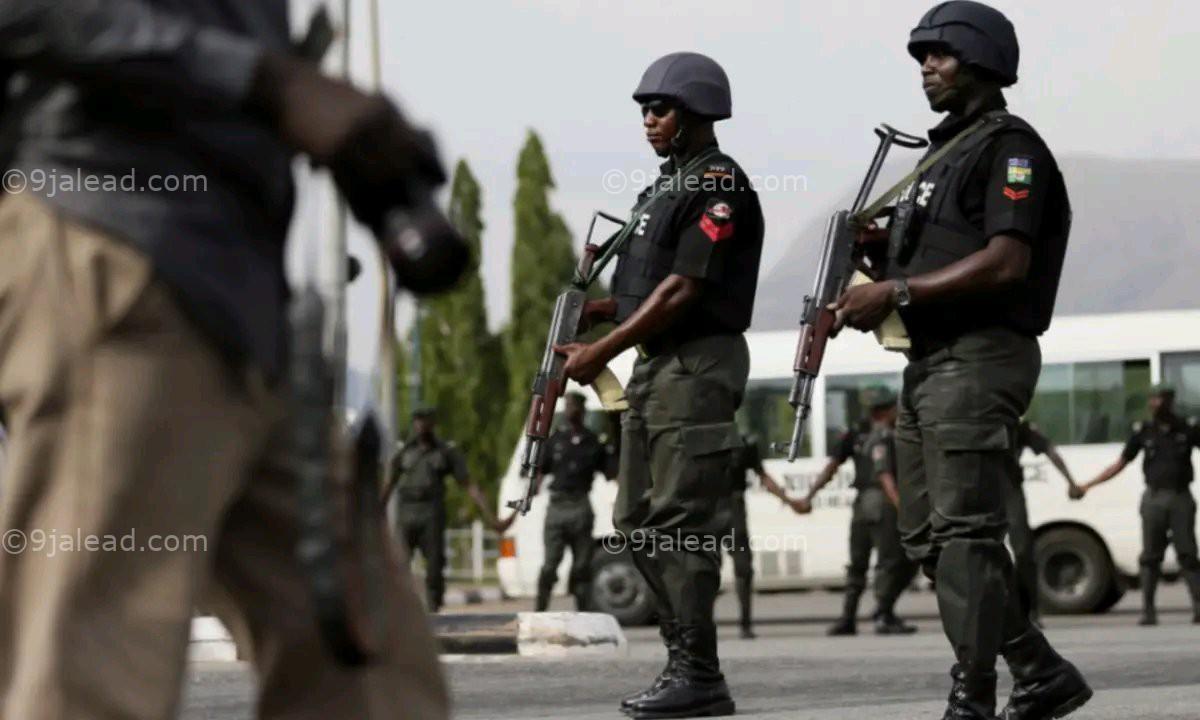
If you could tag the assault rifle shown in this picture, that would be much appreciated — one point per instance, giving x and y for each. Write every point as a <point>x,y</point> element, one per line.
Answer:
<point>836,272</point>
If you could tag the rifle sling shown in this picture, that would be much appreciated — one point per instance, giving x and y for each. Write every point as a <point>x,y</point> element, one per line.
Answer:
<point>614,244</point>
<point>863,217</point>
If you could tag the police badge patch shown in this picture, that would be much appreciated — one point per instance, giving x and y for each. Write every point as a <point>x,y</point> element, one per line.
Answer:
<point>1019,171</point>
<point>717,221</point>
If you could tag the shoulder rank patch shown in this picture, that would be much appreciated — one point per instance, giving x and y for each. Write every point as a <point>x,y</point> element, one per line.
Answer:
<point>879,453</point>
<point>718,170</point>
<point>1019,171</point>
<point>717,221</point>
<point>1014,194</point>
<point>1137,426</point>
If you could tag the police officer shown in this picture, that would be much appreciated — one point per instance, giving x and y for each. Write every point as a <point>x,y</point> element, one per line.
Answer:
<point>975,249</point>
<point>574,454</point>
<point>1020,534</point>
<point>737,541</point>
<point>873,519</point>
<point>142,336</point>
<point>418,477</point>
<point>1168,509</point>
<point>682,294</point>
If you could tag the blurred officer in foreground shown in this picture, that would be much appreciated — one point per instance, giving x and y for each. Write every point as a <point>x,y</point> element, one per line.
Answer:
<point>142,340</point>
<point>975,251</point>
<point>418,477</point>
<point>1168,508</point>
<point>1020,534</point>
<point>683,292</point>
<point>873,518</point>
<point>573,456</point>
<point>737,541</point>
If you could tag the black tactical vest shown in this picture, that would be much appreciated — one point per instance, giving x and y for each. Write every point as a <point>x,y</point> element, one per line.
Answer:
<point>422,473</point>
<point>648,256</point>
<point>1166,454</point>
<point>930,231</point>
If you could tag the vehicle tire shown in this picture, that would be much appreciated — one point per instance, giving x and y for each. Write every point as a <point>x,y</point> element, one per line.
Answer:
<point>1075,573</point>
<point>619,589</point>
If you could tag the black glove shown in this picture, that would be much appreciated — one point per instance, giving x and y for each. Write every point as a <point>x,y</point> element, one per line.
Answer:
<point>385,168</point>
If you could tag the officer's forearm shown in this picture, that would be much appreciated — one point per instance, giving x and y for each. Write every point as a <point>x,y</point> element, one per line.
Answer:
<point>772,486</point>
<point>1057,461</point>
<point>822,479</point>
<point>668,301</point>
<point>1108,474</point>
<point>1003,262</point>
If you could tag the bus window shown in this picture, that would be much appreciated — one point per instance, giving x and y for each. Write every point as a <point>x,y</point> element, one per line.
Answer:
<point>843,401</point>
<point>1091,402</point>
<point>765,413</point>
<point>1182,370</point>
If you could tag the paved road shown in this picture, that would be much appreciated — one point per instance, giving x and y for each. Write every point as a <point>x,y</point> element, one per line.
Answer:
<point>793,671</point>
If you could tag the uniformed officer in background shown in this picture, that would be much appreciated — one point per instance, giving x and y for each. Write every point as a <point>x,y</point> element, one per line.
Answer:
<point>1020,534</point>
<point>574,454</point>
<point>975,251</point>
<point>737,542</point>
<point>873,518</point>
<point>683,293</point>
<point>142,342</point>
<point>1168,508</point>
<point>418,477</point>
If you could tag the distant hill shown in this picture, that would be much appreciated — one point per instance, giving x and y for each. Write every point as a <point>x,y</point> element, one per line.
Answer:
<point>1135,243</point>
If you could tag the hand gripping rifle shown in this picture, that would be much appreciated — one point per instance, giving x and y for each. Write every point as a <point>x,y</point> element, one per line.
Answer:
<point>834,275</point>
<point>551,380</point>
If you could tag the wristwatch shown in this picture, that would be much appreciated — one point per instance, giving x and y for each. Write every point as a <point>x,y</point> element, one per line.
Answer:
<point>900,293</point>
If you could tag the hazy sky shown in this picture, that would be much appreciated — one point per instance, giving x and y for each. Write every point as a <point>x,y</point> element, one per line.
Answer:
<point>810,80</point>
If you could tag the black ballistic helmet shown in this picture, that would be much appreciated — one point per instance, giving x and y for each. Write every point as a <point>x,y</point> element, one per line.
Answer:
<point>977,34</point>
<point>693,80</point>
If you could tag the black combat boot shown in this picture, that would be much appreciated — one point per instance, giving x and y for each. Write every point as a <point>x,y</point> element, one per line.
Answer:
<point>1045,685</point>
<point>1149,581</point>
<point>745,593</point>
<point>972,695</point>
<point>668,630</point>
<point>1191,576</point>
<point>847,623</point>
<point>888,623</point>
<point>696,688</point>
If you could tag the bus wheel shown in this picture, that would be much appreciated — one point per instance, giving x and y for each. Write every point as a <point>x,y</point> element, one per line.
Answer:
<point>1074,571</point>
<point>619,590</point>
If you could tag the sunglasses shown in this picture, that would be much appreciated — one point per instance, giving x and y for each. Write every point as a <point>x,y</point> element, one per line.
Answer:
<point>658,108</point>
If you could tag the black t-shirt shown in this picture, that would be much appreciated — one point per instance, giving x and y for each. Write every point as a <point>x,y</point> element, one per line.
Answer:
<point>573,458</point>
<point>852,444</point>
<point>419,470</point>
<point>1008,186</point>
<point>1012,187</point>
<point>1167,444</point>
<point>710,225</point>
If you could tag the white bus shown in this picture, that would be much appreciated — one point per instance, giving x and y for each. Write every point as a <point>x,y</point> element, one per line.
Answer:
<point>1096,374</point>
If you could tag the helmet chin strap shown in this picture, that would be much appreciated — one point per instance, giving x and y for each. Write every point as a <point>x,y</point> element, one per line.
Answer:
<point>680,139</point>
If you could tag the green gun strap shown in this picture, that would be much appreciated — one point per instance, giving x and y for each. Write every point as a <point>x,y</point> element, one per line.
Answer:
<point>614,244</point>
<point>864,217</point>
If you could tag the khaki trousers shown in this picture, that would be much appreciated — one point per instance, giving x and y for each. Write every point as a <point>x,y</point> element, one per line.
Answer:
<point>127,429</point>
